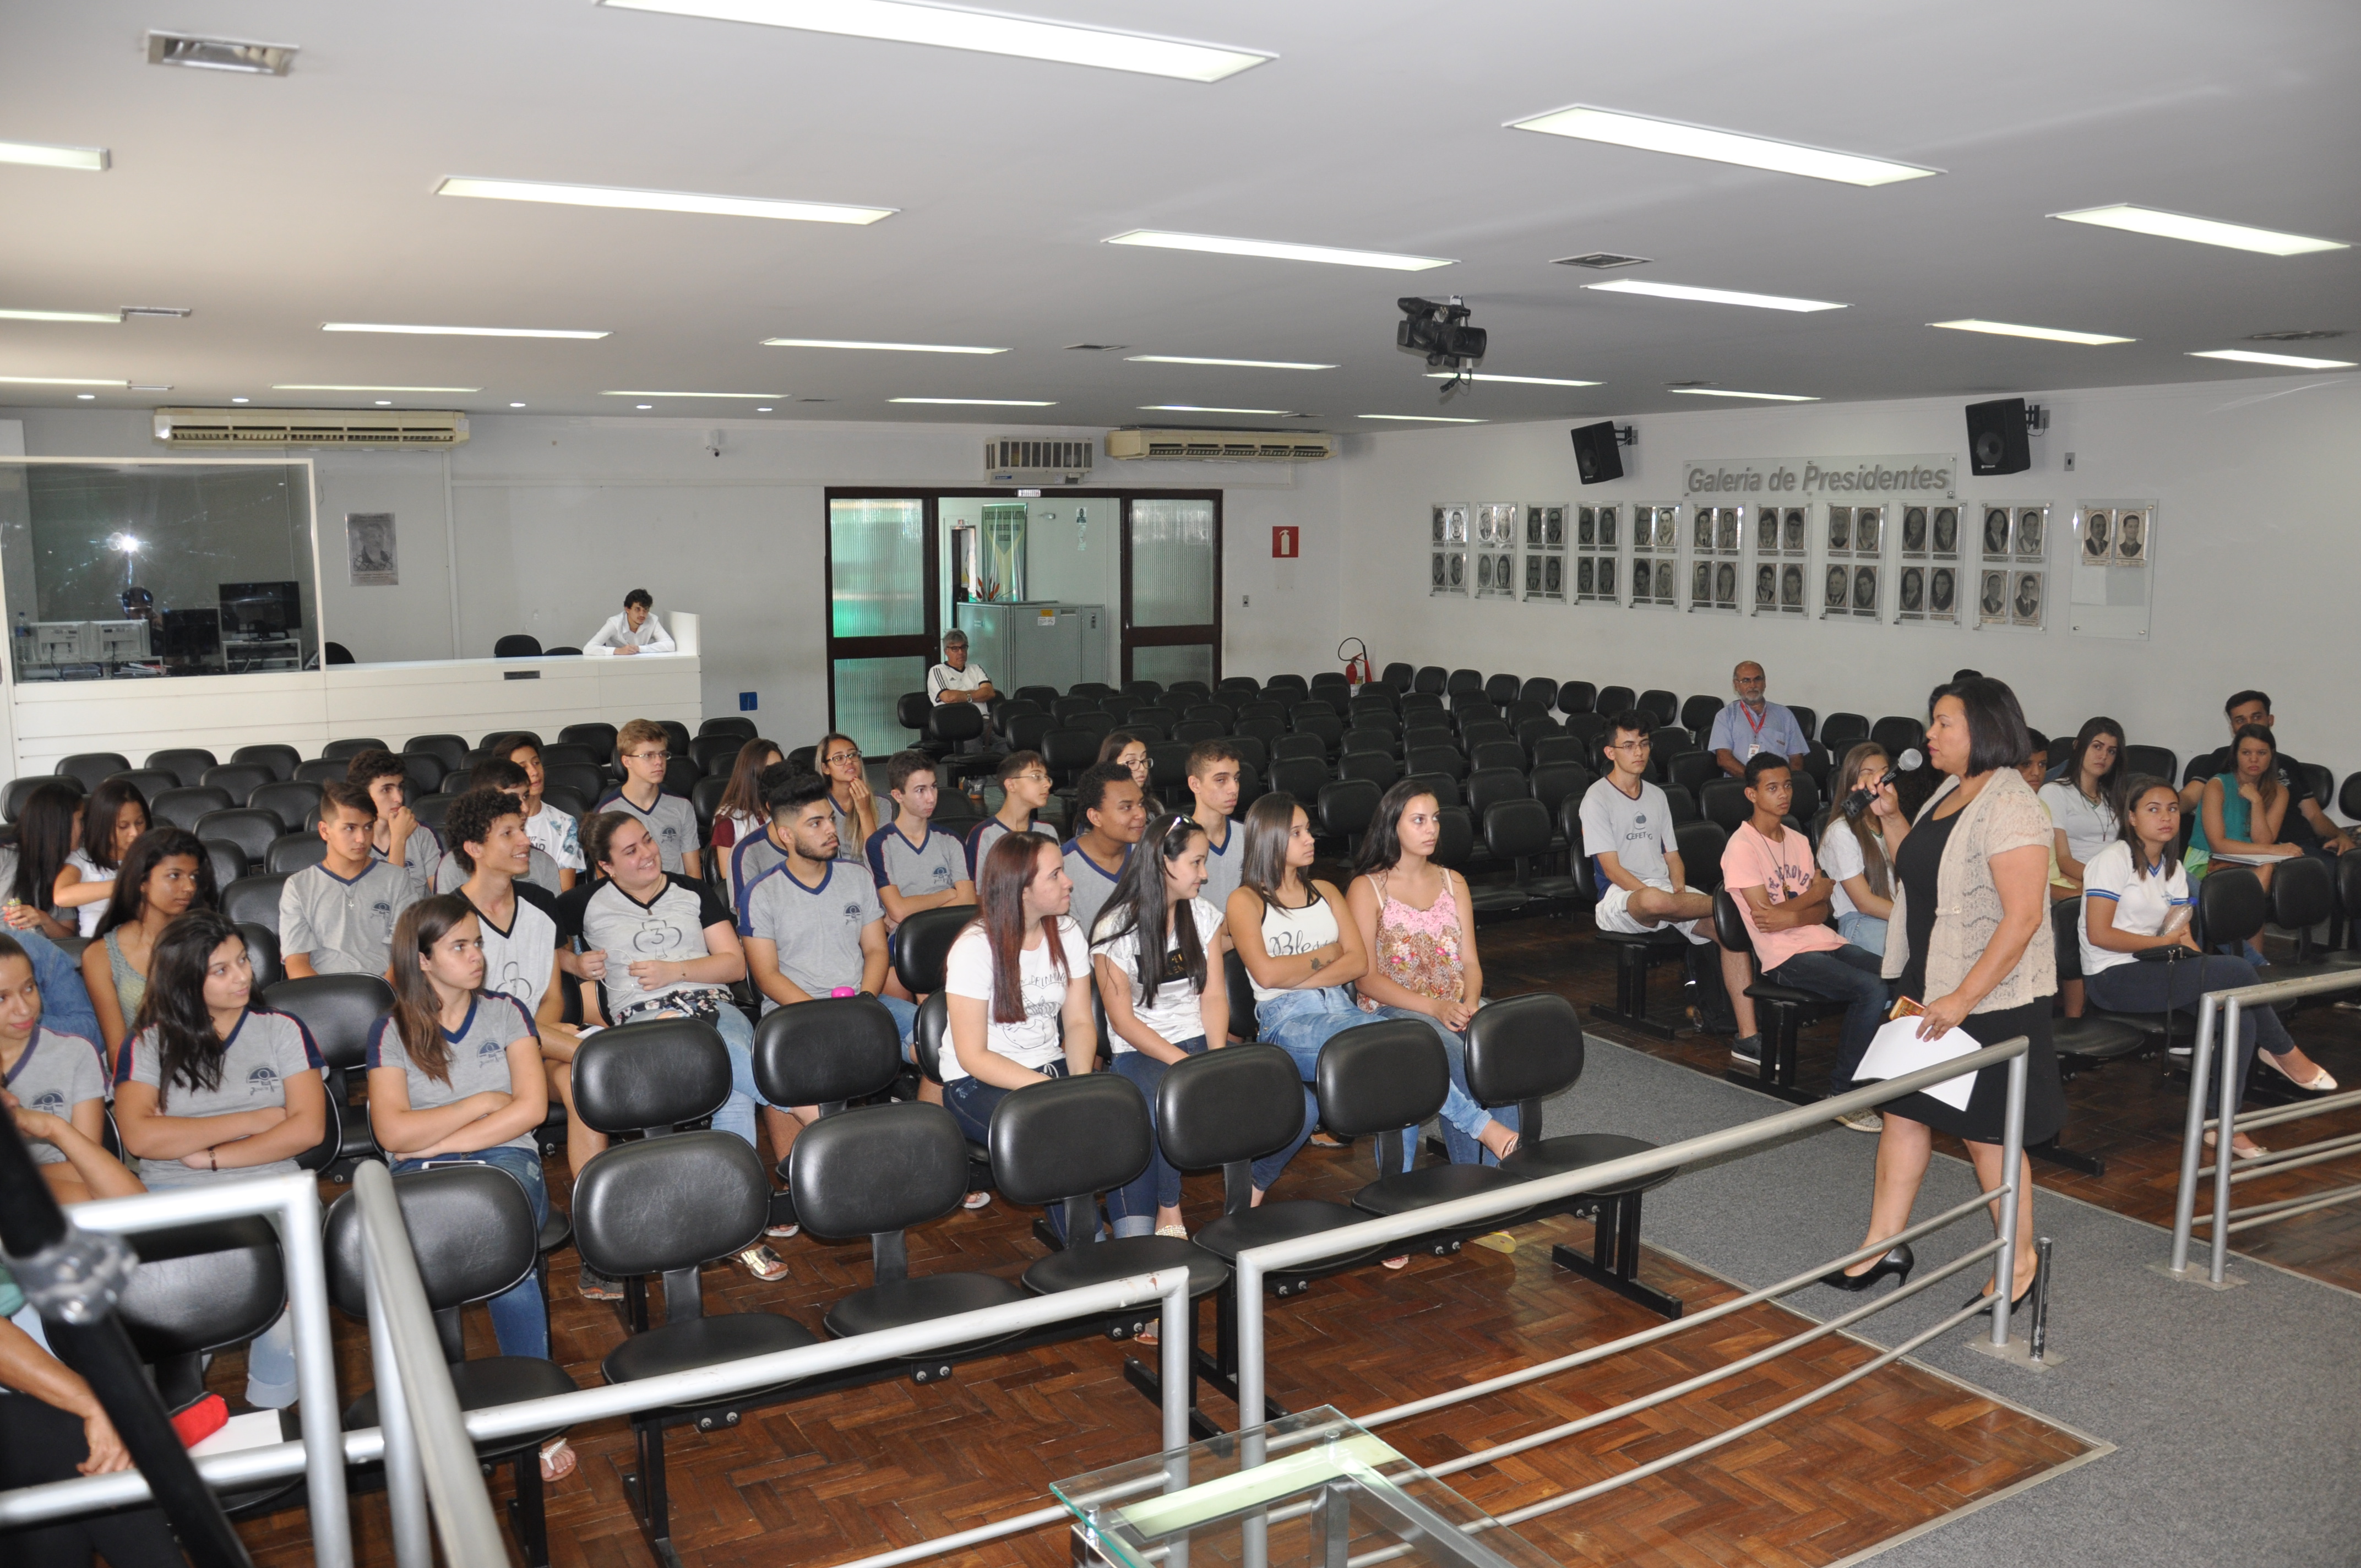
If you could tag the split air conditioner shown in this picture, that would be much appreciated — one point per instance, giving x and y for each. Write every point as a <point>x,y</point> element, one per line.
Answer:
<point>309,427</point>
<point>1221,445</point>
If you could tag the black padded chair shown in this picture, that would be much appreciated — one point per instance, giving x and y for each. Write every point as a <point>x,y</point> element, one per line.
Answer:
<point>1665,746</point>
<point>280,759</point>
<point>1699,844</point>
<point>1524,1051</point>
<point>1385,1079</point>
<point>598,736</point>
<point>1699,712</point>
<point>471,1229</point>
<point>150,782</point>
<point>1517,834</point>
<point>90,769</point>
<point>827,1052</point>
<point>923,947</point>
<point>262,952</point>
<point>1464,682</point>
<point>294,852</point>
<point>1660,705</point>
<point>451,751</point>
<point>1502,690</point>
<point>186,807</point>
<point>1693,771</point>
<point>240,779</point>
<point>1345,809</point>
<point>1576,696</point>
<point>1723,801</point>
<point>1299,776</point>
<point>517,645</point>
<point>1397,676</point>
<point>293,802</point>
<point>339,1011</point>
<point>322,770</point>
<point>1430,679</point>
<point>1507,754</point>
<point>2303,894</point>
<point>1781,1011</point>
<point>351,746</point>
<point>731,724</point>
<point>1564,749</point>
<point>1807,719</point>
<point>1614,700</point>
<point>187,764</point>
<point>1839,730</point>
<point>252,829</point>
<point>1540,689</point>
<point>714,753</point>
<point>1301,748</point>
<point>1379,768</point>
<point>1895,734</point>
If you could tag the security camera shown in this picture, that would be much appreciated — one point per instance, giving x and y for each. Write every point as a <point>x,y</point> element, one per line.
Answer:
<point>713,443</point>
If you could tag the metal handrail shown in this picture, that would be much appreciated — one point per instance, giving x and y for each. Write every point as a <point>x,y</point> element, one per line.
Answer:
<point>2219,1014</point>
<point>1255,1264</point>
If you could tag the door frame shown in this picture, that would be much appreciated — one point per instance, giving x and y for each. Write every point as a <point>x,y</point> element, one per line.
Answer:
<point>930,497</point>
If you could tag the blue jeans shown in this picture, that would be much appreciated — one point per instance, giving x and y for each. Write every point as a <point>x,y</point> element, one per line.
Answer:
<point>270,1365</point>
<point>520,1322</point>
<point>970,1101</point>
<point>1300,1021</point>
<point>1463,1119</point>
<point>737,1112</point>
<point>1848,974</point>
<point>1133,1206</point>
<point>1866,932</point>
<point>905,1019</point>
<point>2151,988</point>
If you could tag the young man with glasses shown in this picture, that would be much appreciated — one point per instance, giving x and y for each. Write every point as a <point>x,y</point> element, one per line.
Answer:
<point>1024,790</point>
<point>643,748</point>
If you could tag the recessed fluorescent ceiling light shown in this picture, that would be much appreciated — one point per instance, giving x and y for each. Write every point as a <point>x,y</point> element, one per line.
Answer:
<point>1711,296</point>
<point>108,316</point>
<point>980,403</point>
<point>900,22</point>
<point>659,201</point>
<point>91,160</point>
<point>458,331</point>
<point>1237,364</point>
<point>2047,333</point>
<point>756,396</point>
<point>882,347</point>
<point>2291,361</point>
<point>1280,250</point>
<point>1726,393</point>
<point>1202,409</point>
<point>1424,419</point>
<point>1519,381</point>
<point>1589,124</point>
<point>220,54</point>
<point>2203,231</point>
<point>57,381</point>
<point>305,386</point>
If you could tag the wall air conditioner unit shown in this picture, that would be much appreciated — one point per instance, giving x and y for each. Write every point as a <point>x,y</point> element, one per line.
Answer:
<point>1026,460</point>
<point>1134,442</point>
<point>220,428</point>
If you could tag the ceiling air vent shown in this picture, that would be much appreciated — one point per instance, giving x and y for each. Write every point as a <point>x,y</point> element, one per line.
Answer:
<point>1029,460</point>
<point>1135,441</point>
<point>1601,260</point>
<point>2320,335</point>
<point>309,427</point>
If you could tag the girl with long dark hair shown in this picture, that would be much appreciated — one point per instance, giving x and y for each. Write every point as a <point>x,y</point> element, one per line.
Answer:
<point>212,1088</point>
<point>166,874</point>
<point>1301,951</point>
<point>112,821</point>
<point>1018,984</point>
<point>1417,921</point>
<point>48,830</point>
<point>56,1083</point>
<point>848,794</point>
<point>741,813</point>
<point>2083,803</point>
<point>1130,748</point>
<point>2242,810</point>
<point>1858,852</point>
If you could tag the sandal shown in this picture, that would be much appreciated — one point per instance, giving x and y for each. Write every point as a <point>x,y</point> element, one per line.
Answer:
<point>557,1461</point>
<point>1180,1231</point>
<point>975,1200</point>
<point>594,1286</point>
<point>782,1233</point>
<point>1402,1262</point>
<point>763,1263</point>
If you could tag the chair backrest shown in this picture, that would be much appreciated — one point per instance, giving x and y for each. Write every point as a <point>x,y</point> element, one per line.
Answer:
<point>1539,689</point>
<point>1397,676</point>
<point>733,724</point>
<point>1455,836</point>
<point>2232,905</point>
<point>517,645</point>
<point>681,773</point>
<point>1444,760</point>
<point>187,806</point>
<point>1379,768</point>
<point>1299,776</point>
<point>1463,681</point>
<point>290,800</point>
<point>1576,696</point>
<point>1699,712</point>
<point>2159,762</point>
<point>90,769</point>
<point>150,782</point>
<point>1431,679</point>
<point>1168,766</point>
<point>1701,845</point>
<point>1348,806</point>
<point>240,779</point>
<point>431,809</point>
<point>1560,749</point>
<point>202,1287</point>
<point>930,1036</point>
<point>1516,827</point>
<point>2304,893</point>
<point>254,898</point>
<point>352,746</point>
<point>1502,690</point>
<point>597,735</point>
<point>1683,804</point>
<point>668,1205</point>
<point>1069,1137</point>
<point>295,851</point>
<point>1556,780</point>
<point>1898,734</point>
<point>250,829</point>
<point>1487,786</point>
<point>1806,719</point>
<point>1382,1077</point>
<point>470,1228</point>
<point>1730,925</point>
<point>1839,730</point>
<point>320,770</point>
<point>1612,700</point>
<point>878,1169</point>
<point>1807,803</point>
<point>1068,752</point>
<point>1228,1107</point>
<point>1724,803</point>
<point>1521,1051</point>
<point>1665,743</point>
<point>280,759</point>
<point>1660,704</point>
<point>1694,771</point>
<point>716,752</point>
<point>1307,747</point>
<point>953,722</point>
<point>262,952</point>
<point>923,946</point>
<point>451,751</point>
<point>338,1009</point>
<point>650,1076</point>
<point>187,764</point>
<point>825,1051</point>
<point>1506,756</point>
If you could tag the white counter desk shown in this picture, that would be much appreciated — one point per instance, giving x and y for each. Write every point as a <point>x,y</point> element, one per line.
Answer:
<point>307,708</point>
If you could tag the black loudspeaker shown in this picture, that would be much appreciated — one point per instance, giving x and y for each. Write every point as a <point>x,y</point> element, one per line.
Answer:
<point>1596,456</point>
<point>1996,437</point>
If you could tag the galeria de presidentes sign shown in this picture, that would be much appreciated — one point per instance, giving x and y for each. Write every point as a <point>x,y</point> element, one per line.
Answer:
<point>1920,475</point>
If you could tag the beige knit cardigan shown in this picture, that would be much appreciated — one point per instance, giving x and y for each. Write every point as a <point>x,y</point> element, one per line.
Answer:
<point>2005,816</point>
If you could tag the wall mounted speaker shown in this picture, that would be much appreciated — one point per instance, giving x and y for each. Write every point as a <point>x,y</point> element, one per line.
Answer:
<point>1996,437</point>
<point>1596,456</point>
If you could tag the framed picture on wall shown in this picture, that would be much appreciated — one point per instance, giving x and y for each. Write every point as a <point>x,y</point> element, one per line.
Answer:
<point>1997,532</point>
<point>2025,600</point>
<point>1991,600</point>
<point>2134,530</point>
<point>2098,535</point>
<point>1943,530</point>
<point>372,550</point>
<point>1943,593</point>
<point>2032,532</point>
<point>1914,532</point>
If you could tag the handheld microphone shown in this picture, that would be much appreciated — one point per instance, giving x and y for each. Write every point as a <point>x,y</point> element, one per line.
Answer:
<point>1861,800</point>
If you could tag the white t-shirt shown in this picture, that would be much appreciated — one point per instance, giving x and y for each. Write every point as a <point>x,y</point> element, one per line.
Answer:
<point>93,912</point>
<point>943,678</point>
<point>2142,904</point>
<point>1638,833</point>
<point>554,833</point>
<point>1290,934</point>
<point>1041,1039</point>
<point>1176,1012</point>
<point>2089,825</point>
<point>1841,857</point>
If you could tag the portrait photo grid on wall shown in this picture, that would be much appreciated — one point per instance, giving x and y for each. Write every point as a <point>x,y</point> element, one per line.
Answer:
<point>2011,578</point>
<point>1655,557</point>
<point>1851,579</point>
<point>1495,547</point>
<point>1598,546</point>
<point>1715,558</point>
<point>1781,559</point>
<point>1546,533</point>
<point>1447,549</point>
<point>1926,590</point>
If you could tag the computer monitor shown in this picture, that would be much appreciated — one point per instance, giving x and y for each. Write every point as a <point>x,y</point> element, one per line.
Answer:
<point>62,641</point>
<point>120,641</point>
<point>191,635</point>
<point>260,609</point>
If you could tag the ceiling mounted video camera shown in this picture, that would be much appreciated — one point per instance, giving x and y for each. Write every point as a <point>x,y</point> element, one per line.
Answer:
<point>1440,331</point>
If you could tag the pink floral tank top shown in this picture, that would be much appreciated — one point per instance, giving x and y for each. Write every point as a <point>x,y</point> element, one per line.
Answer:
<point>1418,950</point>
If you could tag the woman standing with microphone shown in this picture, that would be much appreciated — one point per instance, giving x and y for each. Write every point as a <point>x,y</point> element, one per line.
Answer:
<point>1970,898</point>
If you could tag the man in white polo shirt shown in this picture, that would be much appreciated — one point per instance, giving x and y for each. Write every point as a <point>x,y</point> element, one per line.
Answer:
<point>956,680</point>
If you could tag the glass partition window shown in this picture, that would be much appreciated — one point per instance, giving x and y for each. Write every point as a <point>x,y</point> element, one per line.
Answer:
<point>141,570</point>
<point>1171,562</point>
<point>876,567</point>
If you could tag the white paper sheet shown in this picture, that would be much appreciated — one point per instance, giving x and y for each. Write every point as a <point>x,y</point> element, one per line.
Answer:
<point>1897,1049</point>
<point>256,1428</point>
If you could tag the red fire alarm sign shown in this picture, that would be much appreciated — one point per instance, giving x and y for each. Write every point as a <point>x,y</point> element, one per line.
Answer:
<point>1283,543</point>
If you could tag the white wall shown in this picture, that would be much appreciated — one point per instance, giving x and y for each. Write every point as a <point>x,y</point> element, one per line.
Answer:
<point>2255,563</point>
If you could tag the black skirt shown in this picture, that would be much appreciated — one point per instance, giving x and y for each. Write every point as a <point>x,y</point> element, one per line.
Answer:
<point>1982,1121</point>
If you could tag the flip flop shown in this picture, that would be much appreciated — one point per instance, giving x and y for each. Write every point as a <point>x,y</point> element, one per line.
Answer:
<point>763,1263</point>
<point>557,1461</point>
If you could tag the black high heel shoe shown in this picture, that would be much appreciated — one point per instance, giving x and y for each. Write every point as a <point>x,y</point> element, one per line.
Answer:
<point>2018,1297</point>
<point>1898,1262</point>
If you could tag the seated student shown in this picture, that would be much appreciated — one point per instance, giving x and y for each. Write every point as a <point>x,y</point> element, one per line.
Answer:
<point>337,917</point>
<point>915,865</point>
<point>2137,896</point>
<point>1024,791</point>
<point>454,1078</point>
<point>1111,815</point>
<point>1784,900</point>
<point>1858,852</point>
<point>166,874</point>
<point>1213,782</point>
<point>740,814</point>
<point>552,833</point>
<point>1417,922</point>
<point>2083,803</point>
<point>1017,983</point>
<point>2306,826</point>
<point>757,854</point>
<point>2072,1000</point>
<point>1299,943</point>
<point>56,1088</point>
<point>397,837</point>
<point>2242,812</point>
<point>848,794</point>
<point>49,831</point>
<point>212,1088</point>
<point>1157,953</point>
<point>1627,830</point>
<point>662,946</point>
<point>1131,750</point>
<point>1752,726</point>
<point>111,820</point>
<point>643,748</point>
<point>510,779</point>
<point>635,630</point>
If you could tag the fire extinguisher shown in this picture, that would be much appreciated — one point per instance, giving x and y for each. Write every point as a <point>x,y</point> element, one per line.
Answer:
<point>1356,663</point>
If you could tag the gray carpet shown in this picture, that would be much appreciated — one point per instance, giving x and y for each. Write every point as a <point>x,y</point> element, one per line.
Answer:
<point>2236,1415</point>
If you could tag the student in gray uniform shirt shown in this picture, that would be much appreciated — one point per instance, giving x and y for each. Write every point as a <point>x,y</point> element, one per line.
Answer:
<point>56,1084</point>
<point>758,854</point>
<point>508,778</point>
<point>814,924</point>
<point>337,917</point>
<point>1214,770</point>
<point>916,866</point>
<point>396,837</point>
<point>211,1090</point>
<point>643,748</point>
<point>1113,813</point>
<point>1024,790</point>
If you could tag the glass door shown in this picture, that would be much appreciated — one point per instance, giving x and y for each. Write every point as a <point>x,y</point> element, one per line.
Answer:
<point>1172,588</point>
<point>883,621</point>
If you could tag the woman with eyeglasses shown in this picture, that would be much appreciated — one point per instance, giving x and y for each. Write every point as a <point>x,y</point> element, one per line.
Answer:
<point>847,794</point>
<point>1130,749</point>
